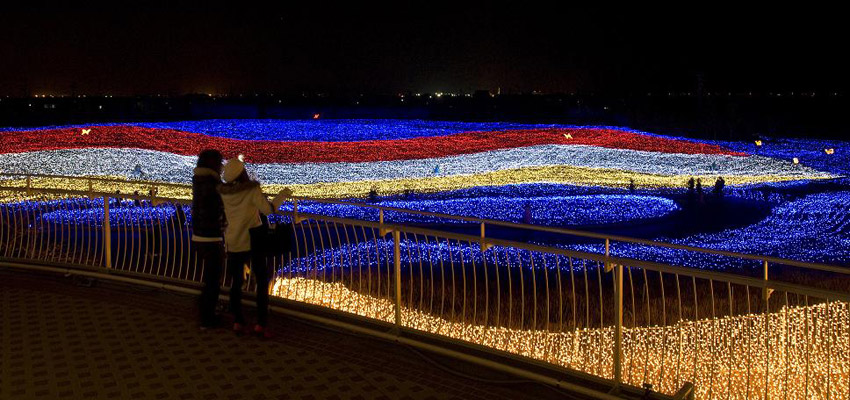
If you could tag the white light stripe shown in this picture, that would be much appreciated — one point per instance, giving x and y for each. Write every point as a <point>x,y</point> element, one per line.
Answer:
<point>170,167</point>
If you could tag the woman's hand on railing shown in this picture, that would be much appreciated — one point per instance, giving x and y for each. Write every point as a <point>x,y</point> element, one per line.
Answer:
<point>280,198</point>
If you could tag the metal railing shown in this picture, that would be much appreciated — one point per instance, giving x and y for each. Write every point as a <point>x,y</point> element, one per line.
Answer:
<point>782,332</point>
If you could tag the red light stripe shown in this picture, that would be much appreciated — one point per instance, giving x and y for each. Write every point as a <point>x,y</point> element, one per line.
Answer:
<point>267,151</point>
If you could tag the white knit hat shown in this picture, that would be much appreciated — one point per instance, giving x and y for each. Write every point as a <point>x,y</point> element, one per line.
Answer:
<point>233,169</point>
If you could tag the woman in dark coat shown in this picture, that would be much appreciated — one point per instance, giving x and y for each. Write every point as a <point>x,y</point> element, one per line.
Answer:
<point>207,227</point>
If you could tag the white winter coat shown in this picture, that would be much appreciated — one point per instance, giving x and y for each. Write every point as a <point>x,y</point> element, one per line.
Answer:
<point>243,201</point>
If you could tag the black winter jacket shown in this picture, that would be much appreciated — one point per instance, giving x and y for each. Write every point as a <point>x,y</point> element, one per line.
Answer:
<point>207,209</point>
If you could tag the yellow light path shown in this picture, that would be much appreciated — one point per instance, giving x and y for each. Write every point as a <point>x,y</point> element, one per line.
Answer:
<point>715,354</point>
<point>563,174</point>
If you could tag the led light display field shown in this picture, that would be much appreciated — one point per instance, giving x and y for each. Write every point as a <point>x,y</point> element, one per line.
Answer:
<point>813,228</point>
<point>549,210</point>
<point>324,130</point>
<point>348,159</point>
<point>265,151</point>
<point>797,352</point>
<point>168,167</point>
<point>808,151</point>
<point>122,213</point>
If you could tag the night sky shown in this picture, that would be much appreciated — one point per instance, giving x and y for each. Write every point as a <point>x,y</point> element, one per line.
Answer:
<point>423,47</point>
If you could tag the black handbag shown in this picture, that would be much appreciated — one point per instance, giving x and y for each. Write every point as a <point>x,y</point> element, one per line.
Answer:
<point>276,238</point>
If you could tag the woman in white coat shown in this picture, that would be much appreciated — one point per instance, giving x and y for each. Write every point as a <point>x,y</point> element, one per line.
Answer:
<point>244,239</point>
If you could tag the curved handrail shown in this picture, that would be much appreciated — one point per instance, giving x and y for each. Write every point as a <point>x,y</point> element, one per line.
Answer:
<point>573,232</point>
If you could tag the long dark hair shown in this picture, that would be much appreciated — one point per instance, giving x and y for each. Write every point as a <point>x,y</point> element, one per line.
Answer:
<point>210,159</point>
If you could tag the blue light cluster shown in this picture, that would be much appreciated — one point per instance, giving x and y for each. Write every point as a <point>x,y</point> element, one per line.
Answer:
<point>809,152</point>
<point>122,213</point>
<point>596,209</point>
<point>814,228</point>
<point>326,130</point>
<point>443,256</point>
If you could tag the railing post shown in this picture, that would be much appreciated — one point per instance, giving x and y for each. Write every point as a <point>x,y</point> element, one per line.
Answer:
<point>107,234</point>
<point>383,231</point>
<point>484,245</point>
<point>766,297</point>
<point>618,320</point>
<point>397,272</point>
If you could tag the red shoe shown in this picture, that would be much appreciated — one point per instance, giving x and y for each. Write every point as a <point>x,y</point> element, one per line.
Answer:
<point>238,329</point>
<point>262,331</point>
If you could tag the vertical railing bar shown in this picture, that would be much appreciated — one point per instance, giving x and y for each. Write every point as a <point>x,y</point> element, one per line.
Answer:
<point>575,298</point>
<point>533,294</point>
<point>409,270</point>
<point>324,259</point>
<point>397,264</point>
<point>766,298</point>
<point>486,287</point>
<point>409,303</point>
<point>178,232</point>
<point>463,283</point>
<point>91,234</point>
<point>618,321</point>
<point>369,264</point>
<point>679,324</point>
<point>421,272</point>
<point>586,312</point>
<point>303,269</point>
<point>311,271</point>
<point>749,324</point>
<point>427,246</point>
<point>107,235</point>
<point>728,339</point>
<point>4,219</point>
<point>712,349</point>
<point>55,244</point>
<point>165,244</point>
<point>663,330</point>
<point>510,295</point>
<point>442,281</point>
<point>560,294</point>
<point>340,285</point>
<point>828,349</point>
<point>599,268</point>
<point>6,233</point>
<point>23,212</point>
<point>53,252</point>
<point>546,287</point>
<point>356,246</point>
<point>452,264</point>
<point>696,331</point>
<point>787,352</point>
<point>38,230</point>
<point>35,221</point>
<point>349,246</point>
<point>634,324</point>
<point>521,271</point>
<point>132,226</point>
<point>648,324</point>
<point>808,347</point>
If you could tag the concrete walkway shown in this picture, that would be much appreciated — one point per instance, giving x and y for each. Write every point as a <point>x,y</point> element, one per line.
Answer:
<point>61,338</point>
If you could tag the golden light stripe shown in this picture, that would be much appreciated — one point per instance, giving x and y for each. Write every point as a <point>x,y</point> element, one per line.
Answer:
<point>561,174</point>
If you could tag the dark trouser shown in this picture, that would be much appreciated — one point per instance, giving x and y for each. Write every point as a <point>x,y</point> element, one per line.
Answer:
<point>235,264</point>
<point>211,254</point>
